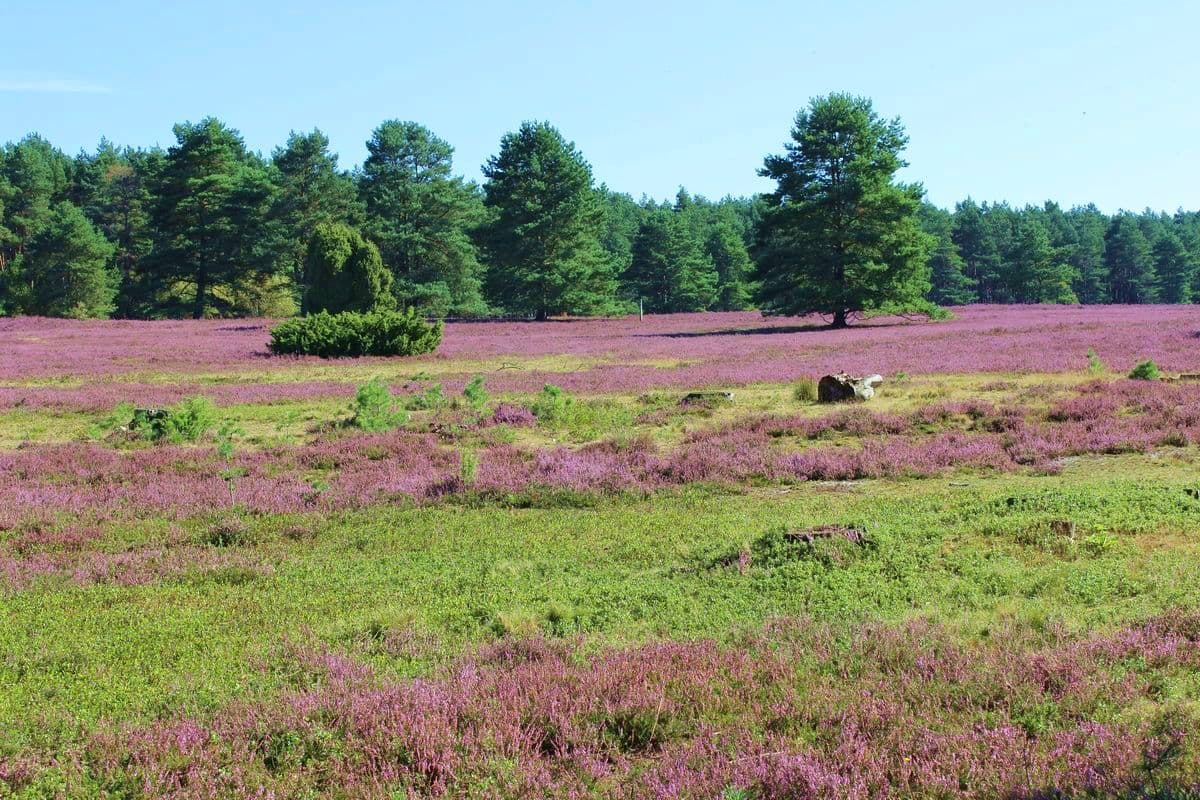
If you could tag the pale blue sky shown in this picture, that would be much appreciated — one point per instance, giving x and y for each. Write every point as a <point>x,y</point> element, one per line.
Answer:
<point>1021,100</point>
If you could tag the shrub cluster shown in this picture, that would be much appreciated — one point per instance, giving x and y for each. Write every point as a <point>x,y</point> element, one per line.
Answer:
<point>187,421</point>
<point>373,333</point>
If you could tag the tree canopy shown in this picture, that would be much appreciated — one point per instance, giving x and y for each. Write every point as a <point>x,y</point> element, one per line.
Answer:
<point>209,228</point>
<point>840,235</point>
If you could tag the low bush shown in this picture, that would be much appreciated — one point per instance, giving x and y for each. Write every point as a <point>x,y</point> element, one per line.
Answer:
<point>805,391</point>
<point>1145,371</point>
<point>476,395</point>
<point>551,405</point>
<point>349,334</point>
<point>187,421</point>
<point>375,410</point>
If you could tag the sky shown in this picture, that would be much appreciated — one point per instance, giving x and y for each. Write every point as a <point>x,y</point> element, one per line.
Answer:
<point>1018,101</point>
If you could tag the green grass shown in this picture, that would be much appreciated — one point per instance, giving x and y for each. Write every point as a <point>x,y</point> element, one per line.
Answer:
<point>622,570</point>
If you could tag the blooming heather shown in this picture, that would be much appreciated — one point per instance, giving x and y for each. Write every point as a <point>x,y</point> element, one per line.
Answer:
<point>889,712</point>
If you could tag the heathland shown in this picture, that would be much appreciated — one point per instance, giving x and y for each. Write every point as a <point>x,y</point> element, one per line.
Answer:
<point>520,566</point>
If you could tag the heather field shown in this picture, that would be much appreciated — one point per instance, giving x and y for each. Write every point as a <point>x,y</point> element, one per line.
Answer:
<point>983,583</point>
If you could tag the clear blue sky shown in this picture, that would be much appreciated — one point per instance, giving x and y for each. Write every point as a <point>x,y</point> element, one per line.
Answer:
<point>1015,100</point>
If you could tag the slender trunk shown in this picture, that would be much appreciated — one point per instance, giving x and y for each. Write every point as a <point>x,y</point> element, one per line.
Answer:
<point>839,319</point>
<point>201,293</point>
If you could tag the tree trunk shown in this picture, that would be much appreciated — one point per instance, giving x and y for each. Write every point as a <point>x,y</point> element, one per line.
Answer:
<point>839,319</point>
<point>201,294</point>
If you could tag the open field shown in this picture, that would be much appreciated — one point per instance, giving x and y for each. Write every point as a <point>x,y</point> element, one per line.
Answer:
<point>597,596</point>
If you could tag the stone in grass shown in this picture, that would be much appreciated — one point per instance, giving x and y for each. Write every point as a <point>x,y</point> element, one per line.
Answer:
<point>706,399</point>
<point>841,388</point>
<point>851,533</point>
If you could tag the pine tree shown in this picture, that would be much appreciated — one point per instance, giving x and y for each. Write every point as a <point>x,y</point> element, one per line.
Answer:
<point>1087,257</point>
<point>981,257</point>
<point>212,247</point>
<point>670,269</point>
<point>1174,267</point>
<point>543,242</point>
<point>422,216</point>
<point>949,284</point>
<point>68,268</point>
<point>840,236</point>
<point>1037,275</point>
<point>727,250</point>
<point>1130,262</point>
<point>312,191</point>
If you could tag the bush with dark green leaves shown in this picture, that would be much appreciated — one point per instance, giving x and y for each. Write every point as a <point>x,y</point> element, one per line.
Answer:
<point>1145,371</point>
<point>348,334</point>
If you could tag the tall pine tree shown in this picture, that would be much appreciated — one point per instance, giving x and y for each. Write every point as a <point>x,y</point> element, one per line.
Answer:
<point>543,242</point>
<point>840,236</point>
<point>670,271</point>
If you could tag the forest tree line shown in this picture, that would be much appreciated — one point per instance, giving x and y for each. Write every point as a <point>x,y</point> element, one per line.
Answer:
<point>207,227</point>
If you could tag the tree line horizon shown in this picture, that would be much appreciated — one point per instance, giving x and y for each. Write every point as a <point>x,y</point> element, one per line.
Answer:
<point>208,228</point>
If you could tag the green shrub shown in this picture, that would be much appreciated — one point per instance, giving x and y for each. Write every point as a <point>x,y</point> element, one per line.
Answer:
<point>1095,365</point>
<point>190,419</point>
<point>431,399</point>
<point>476,394</point>
<point>552,405</point>
<point>805,391</point>
<point>375,409</point>
<point>1145,371</point>
<point>468,466</point>
<point>187,421</point>
<point>374,333</point>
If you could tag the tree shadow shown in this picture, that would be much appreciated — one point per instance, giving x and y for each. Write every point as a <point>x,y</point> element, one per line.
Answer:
<point>764,330</point>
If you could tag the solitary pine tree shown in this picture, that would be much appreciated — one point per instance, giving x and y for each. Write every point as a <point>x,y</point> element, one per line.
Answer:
<point>68,267</point>
<point>343,272</point>
<point>840,236</point>
<point>543,241</point>
<point>670,269</point>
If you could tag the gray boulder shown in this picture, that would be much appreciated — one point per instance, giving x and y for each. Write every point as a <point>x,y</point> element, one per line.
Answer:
<point>841,388</point>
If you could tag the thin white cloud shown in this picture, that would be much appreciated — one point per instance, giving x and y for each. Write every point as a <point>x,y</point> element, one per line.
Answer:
<point>52,85</point>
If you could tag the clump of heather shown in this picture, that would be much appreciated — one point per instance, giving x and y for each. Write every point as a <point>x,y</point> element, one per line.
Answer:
<point>796,711</point>
<point>513,415</point>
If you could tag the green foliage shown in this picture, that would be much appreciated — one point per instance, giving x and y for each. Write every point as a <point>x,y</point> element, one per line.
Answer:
<point>468,466</point>
<point>211,252</point>
<point>840,236</point>
<point>1145,371</point>
<point>805,391</point>
<point>375,410</point>
<point>947,269</point>
<point>190,420</point>
<point>423,218</point>
<point>68,268</point>
<point>552,405</point>
<point>312,192</point>
<point>543,241</point>
<point>349,334</point>
<point>476,394</point>
<point>1095,365</point>
<point>343,272</point>
<point>187,421</point>
<point>1130,262</point>
<point>670,269</point>
<point>432,399</point>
